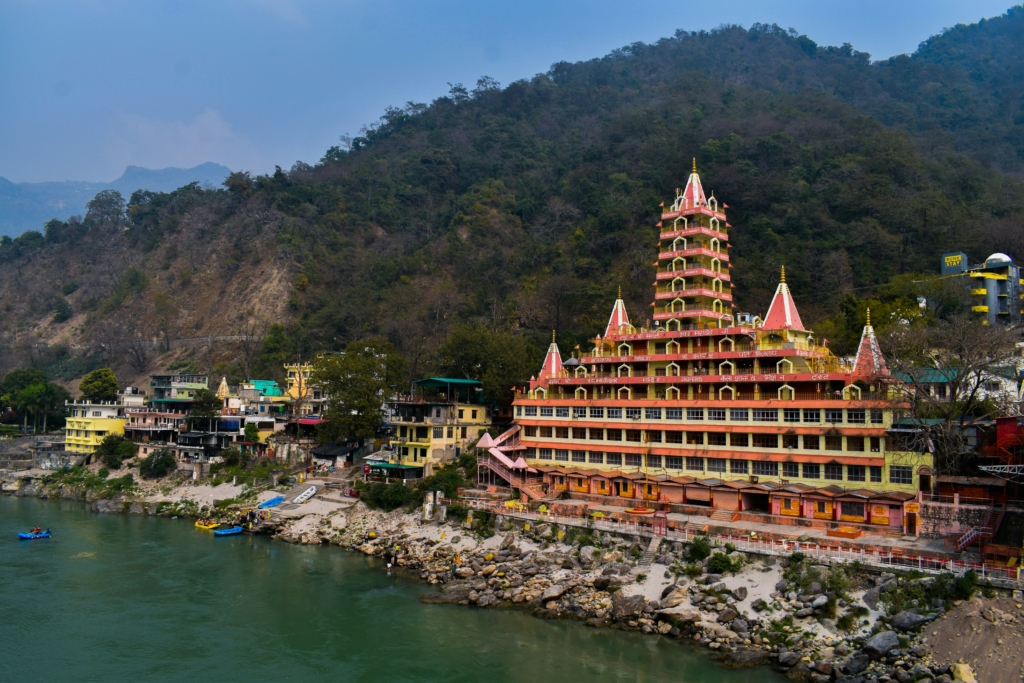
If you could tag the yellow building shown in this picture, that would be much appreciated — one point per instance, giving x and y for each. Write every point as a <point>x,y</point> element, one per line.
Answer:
<point>436,424</point>
<point>308,398</point>
<point>88,423</point>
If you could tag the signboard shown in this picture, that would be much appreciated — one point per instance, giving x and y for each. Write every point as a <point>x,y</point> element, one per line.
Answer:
<point>912,508</point>
<point>953,263</point>
<point>366,469</point>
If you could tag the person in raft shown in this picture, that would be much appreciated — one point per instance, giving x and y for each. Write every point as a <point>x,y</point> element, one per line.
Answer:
<point>36,530</point>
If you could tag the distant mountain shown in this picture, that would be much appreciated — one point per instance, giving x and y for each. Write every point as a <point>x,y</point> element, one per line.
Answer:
<point>27,206</point>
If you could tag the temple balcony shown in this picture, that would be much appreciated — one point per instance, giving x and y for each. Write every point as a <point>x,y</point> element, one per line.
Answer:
<point>668,273</point>
<point>693,313</point>
<point>696,251</point>
<point>694,211</point>
<point>695,230</point>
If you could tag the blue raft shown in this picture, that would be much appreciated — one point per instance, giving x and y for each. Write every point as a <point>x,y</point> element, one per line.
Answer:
<point>228,532</point>
<point>29,536</point>
<point>273,502</point>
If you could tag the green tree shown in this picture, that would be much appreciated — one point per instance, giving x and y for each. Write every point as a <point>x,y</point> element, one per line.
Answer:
<point>206,405</point>
<point>159,463</point>
<point>356,383</point>
<point>499,359</point>
<point>62,311</point>
<point>252,432</point>
<point>99,385</point>
<point>106,207</point>
<point>114,450</point>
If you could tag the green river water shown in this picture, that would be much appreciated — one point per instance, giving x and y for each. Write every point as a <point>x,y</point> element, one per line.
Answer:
<point>116,598</point>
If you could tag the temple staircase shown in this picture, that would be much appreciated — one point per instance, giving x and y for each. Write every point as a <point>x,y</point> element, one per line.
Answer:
<point>652,550</point>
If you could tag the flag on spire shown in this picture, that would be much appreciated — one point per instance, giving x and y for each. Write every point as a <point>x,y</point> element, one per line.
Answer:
<point>782,314</point>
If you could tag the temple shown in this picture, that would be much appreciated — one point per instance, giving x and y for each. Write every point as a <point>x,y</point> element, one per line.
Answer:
<point>697,409</point>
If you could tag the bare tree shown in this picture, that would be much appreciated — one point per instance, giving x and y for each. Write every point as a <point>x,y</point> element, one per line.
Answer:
<point>252,334</point>
<point>942,369</point>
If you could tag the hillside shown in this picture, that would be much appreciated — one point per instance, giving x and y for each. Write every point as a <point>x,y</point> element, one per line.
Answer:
<point>523,208</point>
<point>27,206</point>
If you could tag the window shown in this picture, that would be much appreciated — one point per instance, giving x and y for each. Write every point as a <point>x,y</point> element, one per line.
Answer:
<point>438,432</point>
<point>766,440</point>
<point>766,469</point>
<point>695,464</point>
<point>545,432</point>
<point>614,434</point>
<point>654,435</point>
<point>876,416</point>
<point>519,411</point>
<point>696,438</point>
<point>716,465</point>
<point>738,466</point>
<point>716,413</point>
<point>531,411</point>
<point>633,435</point>
<point>632,413</point>
<point>834,472</point>
<point>97,413</point>
<point>876,444</point>
<point>560,411</point>
<point>654,461</point>
<point>739,440</point>
<point>561,432</point>
<point>833,443</point>
<point>614,459</point>
<point>614,414</point>
<point>544,454</point>
<point>790,441</point>
<point>451,432</point>
<point>474,414</point>
<point>578,432</point>
<point>652,413</point>
<point>694,413</point>
<point>738,414</point>
<point>463,433</point>
<point>674,462</point>
<point>788,504</point>
<point>673,413</point>
<point>716,438</point>
<point>855,416</point>
<point>579,411</point>
<point>595,457</point>
<point>855,472</point>
<point>791,415</point>
<point>562,455</point>
<point>855,443</point>
<point>849,508</point>
<point>812,471</point>
<point>673,437</point>
<point>812,415</point>
<point>834,416</point>
<point>596,412</point>
<point>791,470</point>
<point>876,475</point>
<point>766,415</point>
<point>900,474</point>
<point>632,460</point>
<point>546,411</point>
<point>597,434</point>
<point>461,411</point>
<point>812,443</point>
<point>819,507</point>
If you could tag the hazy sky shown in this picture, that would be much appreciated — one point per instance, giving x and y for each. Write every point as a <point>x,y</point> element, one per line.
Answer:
<point>88,87</point>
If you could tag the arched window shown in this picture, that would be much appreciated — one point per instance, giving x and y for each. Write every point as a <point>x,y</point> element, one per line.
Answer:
<point>625,393</point>
<point>581,393</point>
<point>625,370</point>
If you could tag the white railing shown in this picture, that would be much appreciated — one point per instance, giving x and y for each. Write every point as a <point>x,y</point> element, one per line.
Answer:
<point>822,553</point>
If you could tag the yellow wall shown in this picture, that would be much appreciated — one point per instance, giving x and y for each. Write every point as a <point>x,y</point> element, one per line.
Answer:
<point>84,434</point>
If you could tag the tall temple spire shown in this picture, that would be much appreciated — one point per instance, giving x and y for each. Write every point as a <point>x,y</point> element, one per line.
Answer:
<point>782,314</point>
<point>618,317</point>
<point>869,361</point>
<point>552,361</point>
<point>693,195</point>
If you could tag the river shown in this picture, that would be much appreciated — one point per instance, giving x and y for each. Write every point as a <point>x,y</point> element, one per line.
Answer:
<point>116,598</point>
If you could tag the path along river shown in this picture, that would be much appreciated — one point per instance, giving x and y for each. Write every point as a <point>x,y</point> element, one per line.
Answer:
<point>116,598</point>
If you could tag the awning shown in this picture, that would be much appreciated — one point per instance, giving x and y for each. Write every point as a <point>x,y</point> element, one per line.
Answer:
<point>309,421</point>
<point>393,466</point>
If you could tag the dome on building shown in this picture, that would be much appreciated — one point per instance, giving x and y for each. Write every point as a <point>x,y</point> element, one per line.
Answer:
<point>998,258</point>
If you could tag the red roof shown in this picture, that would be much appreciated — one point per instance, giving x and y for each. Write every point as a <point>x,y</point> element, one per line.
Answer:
<point>869,362</point>
<point>552,363</point>
<point>782,314</point>
<point>618,317</point>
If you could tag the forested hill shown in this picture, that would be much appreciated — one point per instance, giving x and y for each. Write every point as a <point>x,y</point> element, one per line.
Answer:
<point>523,208</point>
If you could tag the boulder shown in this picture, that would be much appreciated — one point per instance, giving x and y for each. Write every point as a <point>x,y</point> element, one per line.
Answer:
<point>589,553</point>
<point>486,600</point>
<point>674,598</point>
<point>871,598</point>
<point>740,593</point>
<point>856,664</point>
<point>814,588</point>
<point>712,579</point>
<point>739,625</point>
<point>789,658</point>
<point>880,644</point>
<point>782,586</point>
<point>664,627</point>
<point>625,608</point>
<point>464,572</point>
<point>553,593</point>
<point>908,621</point>
<point>727,615</point>
<point>545,531</point>
<point>804,613</point>
<point>745,657</point>
<point>962,672</point>
<point>758,605</point>
<point>819,602</point>
<point>602,582</point>
<point>489,569</point>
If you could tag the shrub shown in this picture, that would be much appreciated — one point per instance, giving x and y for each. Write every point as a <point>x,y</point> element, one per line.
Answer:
<point>698,549</point>
<point>720,563</point>
<point>847,622</point>
<point>114,450</point>
<point>159,463</point>
<point>62,311</point>
<point>103,473</point>
<point>388,496</point>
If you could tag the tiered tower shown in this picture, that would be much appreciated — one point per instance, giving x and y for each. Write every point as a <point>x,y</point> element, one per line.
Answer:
<point>698,409</point>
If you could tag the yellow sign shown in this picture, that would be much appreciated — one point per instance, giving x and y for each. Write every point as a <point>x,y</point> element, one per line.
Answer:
<point>879,511</point>
<point>913,508</point>
<point>954,260</point>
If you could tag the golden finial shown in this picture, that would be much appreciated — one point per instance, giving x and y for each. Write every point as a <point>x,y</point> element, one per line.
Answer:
<point>552,336</point>
<point>620,291</point>
<point>868,322</point>
<point>695,164</point>
<point>782,278</point>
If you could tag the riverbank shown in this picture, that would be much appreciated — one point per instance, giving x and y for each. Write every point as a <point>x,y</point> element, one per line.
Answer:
<point>807,621</point>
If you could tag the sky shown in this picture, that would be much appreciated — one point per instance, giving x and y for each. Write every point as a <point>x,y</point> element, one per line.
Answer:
<point>88,87</point>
